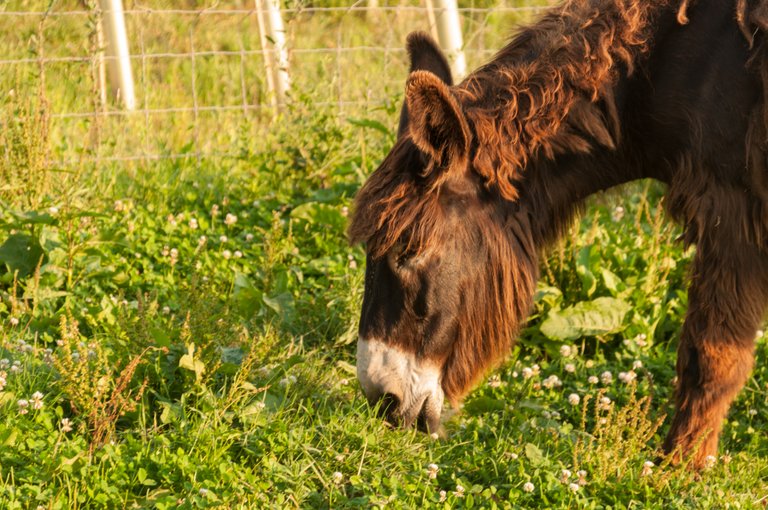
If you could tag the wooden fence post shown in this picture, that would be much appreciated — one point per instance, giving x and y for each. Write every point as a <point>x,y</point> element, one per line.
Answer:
<point>272,32</point>
<point>118,52</point>
<point>445,14</point>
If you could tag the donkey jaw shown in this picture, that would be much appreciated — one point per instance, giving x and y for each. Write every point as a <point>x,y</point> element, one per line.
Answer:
<point>408,387</point>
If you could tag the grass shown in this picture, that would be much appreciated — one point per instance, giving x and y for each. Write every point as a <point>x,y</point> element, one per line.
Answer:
<point>190,322</point>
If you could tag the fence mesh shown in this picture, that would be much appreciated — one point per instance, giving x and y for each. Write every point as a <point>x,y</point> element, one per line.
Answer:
<point>199,70</point>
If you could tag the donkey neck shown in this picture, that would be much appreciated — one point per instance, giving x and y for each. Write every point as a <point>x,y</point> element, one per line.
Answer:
<point>553,192</point>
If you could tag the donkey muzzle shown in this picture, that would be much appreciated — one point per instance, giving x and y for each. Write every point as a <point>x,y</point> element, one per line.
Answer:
<point>405,388</point>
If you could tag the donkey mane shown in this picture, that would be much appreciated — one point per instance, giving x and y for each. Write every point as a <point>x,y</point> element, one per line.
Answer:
<point>550,91</point>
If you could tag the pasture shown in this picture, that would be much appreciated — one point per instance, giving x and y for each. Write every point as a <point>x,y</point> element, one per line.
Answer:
<point>179,302</point>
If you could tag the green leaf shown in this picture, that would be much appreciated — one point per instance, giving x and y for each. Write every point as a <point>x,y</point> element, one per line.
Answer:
<point>282,304</point>
<point>189,362</point>
<point>484,405</point>
<point>370,124</point>
<point>22,253</point>
<point>534,454</point>
<point>247,298</point>
<point>611,281</point>
<point>598,317</point>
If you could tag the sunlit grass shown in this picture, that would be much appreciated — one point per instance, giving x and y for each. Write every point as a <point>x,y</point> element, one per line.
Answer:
<point>226,286</point>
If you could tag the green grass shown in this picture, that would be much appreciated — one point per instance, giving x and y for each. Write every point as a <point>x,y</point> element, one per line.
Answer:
<point>203,362</point>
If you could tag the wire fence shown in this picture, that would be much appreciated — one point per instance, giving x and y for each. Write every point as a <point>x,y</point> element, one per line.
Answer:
<point>200,71</point>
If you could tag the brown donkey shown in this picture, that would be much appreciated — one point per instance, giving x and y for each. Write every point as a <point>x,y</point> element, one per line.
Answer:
<point>485,174</point>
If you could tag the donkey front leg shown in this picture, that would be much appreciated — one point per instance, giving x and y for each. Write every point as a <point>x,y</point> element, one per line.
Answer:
<point>726,302</point>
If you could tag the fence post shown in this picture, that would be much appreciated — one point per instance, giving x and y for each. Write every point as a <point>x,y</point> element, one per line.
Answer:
<point>118,52</point>
<point>275,54</point>
<point>446,16</point>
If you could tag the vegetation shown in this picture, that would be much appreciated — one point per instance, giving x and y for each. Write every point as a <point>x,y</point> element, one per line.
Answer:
<point>178,332</point>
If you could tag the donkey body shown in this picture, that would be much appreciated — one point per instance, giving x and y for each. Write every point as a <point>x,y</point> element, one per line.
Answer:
<point>485,174</point>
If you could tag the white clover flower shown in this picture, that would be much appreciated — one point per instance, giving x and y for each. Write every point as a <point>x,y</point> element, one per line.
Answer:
<point>66,425</point>
<point>215,210</point>
<point>249,237</point>
<point>344,382</point>
<point>5,363</point>
<point>459,492</point>
<point>193,224</point>
<point>582,477</point>
<point>432,471</point>
<point>570,368</point>
<point>37,400</point>
<point>710,461</point>
<point>226,254</point>
<point>514,374</point>
<point>23,404</point>
<point>166,309</point>
<point>223,239</point>
<point>238,254</point>
<point>752,412</point>
<point>528,487</point>
<point>494,381</point>
<point>434,436</point>
<point>605,403</point>
<point>627,377</point>
<point>536,369</point>
<point>618,213</point>
<point>53,210</point>
<point>337,477</point>
<point>565,351</point>
<point>14,321</point>
<point>552,381</point>
<point>759,333</point>
<point>640,340</point>
<point>527,373</point>
<point>606,377</point>
<point>201,240</point>
<point>16,367</point>
<point>442,495</point>
<point>574,399</point>
<point>513,456</point>
<point>574,487</point>
<point>174,254</point>
<point>230,219</point>
<point>637,364</point>
<point>592,379</point>
<point>118,206</point>
<point>203,492</point>
<point>647,468</point>
<point>565,474</point>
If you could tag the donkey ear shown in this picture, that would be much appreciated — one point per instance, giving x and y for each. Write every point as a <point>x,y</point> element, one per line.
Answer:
<point>425,55</point>
<point>436,123</point>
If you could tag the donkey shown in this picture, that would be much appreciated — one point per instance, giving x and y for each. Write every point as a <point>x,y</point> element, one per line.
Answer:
<point>486,174</point>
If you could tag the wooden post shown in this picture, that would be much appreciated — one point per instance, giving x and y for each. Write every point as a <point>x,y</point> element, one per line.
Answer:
<point>121,76</point>
<point>446,15</point>
<point>274,47</point>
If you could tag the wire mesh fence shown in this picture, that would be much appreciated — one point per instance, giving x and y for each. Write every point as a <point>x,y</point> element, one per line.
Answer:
<point>199,70</point>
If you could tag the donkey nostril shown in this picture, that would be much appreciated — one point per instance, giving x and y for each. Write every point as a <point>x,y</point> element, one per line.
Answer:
<point>388,406</point>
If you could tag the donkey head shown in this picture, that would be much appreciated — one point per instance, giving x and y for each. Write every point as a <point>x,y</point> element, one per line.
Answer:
<point>449,268</point>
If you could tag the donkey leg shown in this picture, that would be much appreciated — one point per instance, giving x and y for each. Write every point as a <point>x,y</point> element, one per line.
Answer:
<point>727,299</point>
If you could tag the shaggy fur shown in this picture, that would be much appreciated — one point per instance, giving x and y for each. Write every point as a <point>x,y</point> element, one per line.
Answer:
<point>485,174</point>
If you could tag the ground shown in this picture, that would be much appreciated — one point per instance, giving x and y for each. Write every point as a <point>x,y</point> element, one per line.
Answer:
<point>180,332</point>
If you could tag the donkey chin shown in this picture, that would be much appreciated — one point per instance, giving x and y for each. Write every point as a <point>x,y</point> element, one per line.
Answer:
<point>407,390</point>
